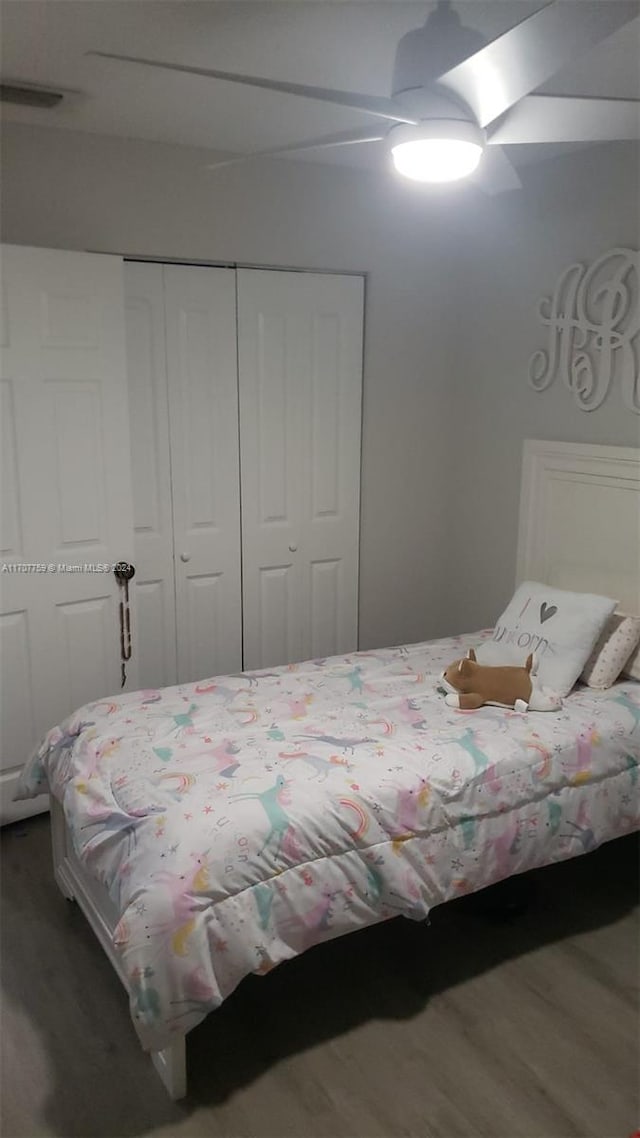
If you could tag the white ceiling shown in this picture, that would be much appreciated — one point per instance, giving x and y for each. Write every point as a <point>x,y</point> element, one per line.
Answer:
<point>337,43</point>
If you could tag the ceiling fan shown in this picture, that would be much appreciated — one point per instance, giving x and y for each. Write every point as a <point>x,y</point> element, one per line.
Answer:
<point>454,94</point>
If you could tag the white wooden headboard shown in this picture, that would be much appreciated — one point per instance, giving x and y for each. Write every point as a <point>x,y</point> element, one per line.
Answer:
<point>580,519</point>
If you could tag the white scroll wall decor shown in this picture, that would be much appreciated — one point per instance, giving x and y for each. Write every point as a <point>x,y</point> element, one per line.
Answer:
<point>593,319</point>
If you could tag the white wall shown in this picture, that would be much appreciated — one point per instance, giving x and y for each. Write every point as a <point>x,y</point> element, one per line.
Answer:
<point>454,280</point>
<point>573,208</point>
<point>76,191</point>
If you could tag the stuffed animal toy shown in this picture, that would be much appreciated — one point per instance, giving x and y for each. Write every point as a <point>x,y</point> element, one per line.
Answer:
<point>470,685</point>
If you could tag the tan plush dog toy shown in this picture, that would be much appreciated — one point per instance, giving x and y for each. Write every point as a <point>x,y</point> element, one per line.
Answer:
<point>470,685</point>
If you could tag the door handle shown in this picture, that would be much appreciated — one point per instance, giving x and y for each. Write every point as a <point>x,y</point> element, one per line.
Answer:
<point>185,557</point>
<point>293,548</point>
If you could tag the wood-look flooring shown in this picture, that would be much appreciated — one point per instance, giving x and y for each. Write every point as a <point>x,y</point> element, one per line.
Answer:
<point>471,1027</point>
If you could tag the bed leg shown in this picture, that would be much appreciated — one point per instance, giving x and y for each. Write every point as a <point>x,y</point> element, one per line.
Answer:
<point>171,1065</point>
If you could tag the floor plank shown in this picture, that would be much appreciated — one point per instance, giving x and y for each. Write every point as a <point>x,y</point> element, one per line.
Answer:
<point>471,1027</point>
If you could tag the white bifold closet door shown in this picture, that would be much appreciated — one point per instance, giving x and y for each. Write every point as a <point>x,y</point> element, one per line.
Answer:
<point>181,351</point>
<point>214,596</point>
<point>66,494</point>
<point>300,379</point>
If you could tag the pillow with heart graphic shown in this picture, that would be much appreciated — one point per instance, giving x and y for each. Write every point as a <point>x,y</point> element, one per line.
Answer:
<point>560,629</point>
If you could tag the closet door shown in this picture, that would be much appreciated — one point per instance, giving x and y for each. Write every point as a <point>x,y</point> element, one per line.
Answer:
<point>151,475</point>
<point>300,381</point>
<point>66,494</point>
<point>200,314</point>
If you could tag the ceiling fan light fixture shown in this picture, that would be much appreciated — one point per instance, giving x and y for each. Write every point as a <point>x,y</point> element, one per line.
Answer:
<point>440,150</point>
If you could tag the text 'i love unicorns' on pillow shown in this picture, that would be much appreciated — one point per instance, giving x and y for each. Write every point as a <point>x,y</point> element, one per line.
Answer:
<point>560,629</point>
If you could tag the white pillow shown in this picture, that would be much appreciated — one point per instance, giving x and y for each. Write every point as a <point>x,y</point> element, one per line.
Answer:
<point>618,639</point>
<point>632,666</point>
<point>558,627</point>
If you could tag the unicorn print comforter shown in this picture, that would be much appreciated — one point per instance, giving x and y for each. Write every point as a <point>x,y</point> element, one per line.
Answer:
<point>238,821</point>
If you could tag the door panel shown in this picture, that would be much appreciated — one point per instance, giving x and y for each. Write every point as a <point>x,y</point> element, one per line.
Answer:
<point>277,635</point>
<point>325,417</point>
<point>325,607</point>
<point>18,722</point>
<point>200,315</point>
<point>151,474</point>
<point>67,493</point>
<point>156,643</point>
<point>85,631</point>
<point>74,410</point>
<point>10,536</point>
<point>300,380</point>
<point>203,642</point>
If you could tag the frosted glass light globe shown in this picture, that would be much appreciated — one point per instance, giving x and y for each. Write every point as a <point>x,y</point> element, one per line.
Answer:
<point>436,150</point>
<point>436,159</point>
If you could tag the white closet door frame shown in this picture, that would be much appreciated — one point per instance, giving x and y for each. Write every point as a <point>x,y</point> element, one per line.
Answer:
<point>300,380</point>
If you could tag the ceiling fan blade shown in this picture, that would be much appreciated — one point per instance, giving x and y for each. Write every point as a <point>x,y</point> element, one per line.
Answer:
<point>560,118</point>
<point>344,138</point>
<point>497,76</point>
<point>377,105</point>
<point>496,174</point>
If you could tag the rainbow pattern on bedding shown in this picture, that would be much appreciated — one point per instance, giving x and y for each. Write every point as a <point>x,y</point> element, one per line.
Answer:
<point>238,821</point>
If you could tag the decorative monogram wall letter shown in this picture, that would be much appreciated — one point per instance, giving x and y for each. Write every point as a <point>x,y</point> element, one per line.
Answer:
<point>593,319</point>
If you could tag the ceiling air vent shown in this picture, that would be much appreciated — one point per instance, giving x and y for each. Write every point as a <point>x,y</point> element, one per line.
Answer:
<point>29,96</point>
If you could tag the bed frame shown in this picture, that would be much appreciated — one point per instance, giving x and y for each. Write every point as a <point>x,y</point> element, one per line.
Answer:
<point>77,885</point>
<point>579,528</point>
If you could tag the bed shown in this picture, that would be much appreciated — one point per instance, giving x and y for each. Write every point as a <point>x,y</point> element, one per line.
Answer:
<point>216,829</point>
